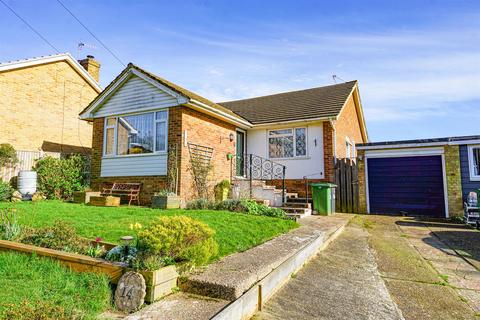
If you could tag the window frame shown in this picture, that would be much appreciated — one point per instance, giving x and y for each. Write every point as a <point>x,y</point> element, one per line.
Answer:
<point>115,139</point>
<point>473,176</point>
<point>293,129</point>
<point>349,148</point>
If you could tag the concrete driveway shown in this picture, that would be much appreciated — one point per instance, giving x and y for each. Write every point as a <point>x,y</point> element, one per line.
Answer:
<point>385,267</point>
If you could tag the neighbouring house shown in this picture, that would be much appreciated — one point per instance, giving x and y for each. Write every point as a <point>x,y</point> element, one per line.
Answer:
<point>141,122</point>
<point>427,177</point>
<point>40,99</point>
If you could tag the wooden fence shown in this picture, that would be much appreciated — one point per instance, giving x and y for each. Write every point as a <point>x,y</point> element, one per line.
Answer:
<point>26,161</point>
<point>346,179</point>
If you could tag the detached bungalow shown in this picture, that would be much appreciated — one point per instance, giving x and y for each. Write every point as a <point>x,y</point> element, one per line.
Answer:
<point>428,177</point>
<point>149,130</point>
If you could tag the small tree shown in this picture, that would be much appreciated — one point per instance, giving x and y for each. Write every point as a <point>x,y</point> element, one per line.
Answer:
<point>8,155</point>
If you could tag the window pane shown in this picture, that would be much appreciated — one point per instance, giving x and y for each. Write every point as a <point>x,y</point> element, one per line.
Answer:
<point>110,121</point>
<point>135,134</point>
<point>476,161</point>
<point>281,147</point>
<point>109,140</point>
<point>280,132</point>
<point>161,115</point>
<point>300,142</point>
<point>161,136</point>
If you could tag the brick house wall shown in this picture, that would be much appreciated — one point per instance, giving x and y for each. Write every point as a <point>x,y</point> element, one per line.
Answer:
<point>298,185</point>
<point>201,129</point>
<point>348,125</point>
<point>454,180</point>
<point>40,106</point>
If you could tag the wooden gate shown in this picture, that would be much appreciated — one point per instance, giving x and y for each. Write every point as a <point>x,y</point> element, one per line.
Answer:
<point>346,179</point>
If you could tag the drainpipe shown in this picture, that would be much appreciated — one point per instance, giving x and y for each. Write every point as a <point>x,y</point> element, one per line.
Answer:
<point>332,123</point>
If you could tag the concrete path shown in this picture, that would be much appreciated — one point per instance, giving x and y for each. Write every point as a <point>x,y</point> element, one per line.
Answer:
<point>454,252</point>
<point>230,277</point>
<point>234,274</point>
<point>425,278</point>
<point>342,282</point>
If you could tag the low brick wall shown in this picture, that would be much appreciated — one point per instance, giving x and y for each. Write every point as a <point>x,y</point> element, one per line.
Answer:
<point>296,186</point>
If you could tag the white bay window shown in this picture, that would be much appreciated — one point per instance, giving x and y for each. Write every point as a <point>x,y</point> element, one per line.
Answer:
<point>144,133</point>
<point>287,143</point>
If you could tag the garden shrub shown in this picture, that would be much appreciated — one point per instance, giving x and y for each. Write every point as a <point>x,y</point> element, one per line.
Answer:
<point>59,236</point>
<point>245,206</point>
<point>6,191</point>
<point>8,155</point>
<point>59,178</point>
<point>180,238</point>
<point>201,204</point>
<point>9,227</point>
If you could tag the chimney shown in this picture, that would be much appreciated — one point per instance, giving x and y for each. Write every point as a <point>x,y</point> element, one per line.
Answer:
<point>92,66</point>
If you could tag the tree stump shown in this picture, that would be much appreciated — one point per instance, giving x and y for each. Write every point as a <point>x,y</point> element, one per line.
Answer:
<point>130,292</point>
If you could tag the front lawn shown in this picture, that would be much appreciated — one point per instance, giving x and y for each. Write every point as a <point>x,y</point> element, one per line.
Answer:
<point>39,288</point>
<point>234,231</point>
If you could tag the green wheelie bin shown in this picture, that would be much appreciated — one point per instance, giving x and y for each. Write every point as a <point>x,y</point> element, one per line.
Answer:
<point>323,196</point>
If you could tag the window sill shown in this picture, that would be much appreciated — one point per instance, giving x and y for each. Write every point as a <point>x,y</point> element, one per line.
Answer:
<point>474,178</point>
<point>135,155</point>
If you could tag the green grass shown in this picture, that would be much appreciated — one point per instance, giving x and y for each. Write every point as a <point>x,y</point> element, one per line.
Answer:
<point>233,231</point>
<point>32,285</point>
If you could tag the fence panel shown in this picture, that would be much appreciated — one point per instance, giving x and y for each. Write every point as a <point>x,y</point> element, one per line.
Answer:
<point>26,161</point>
<point>346,178</point>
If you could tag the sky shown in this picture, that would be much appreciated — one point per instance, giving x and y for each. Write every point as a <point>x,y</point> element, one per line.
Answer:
<point>417,62</point>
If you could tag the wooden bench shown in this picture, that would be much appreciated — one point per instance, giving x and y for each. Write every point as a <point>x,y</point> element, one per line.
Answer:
<point>131,190</point>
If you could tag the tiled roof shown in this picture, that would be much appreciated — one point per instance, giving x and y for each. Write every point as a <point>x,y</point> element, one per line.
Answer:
<point>321,102</point>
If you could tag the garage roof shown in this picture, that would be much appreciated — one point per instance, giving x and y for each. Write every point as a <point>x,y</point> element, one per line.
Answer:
<point>420,142</point>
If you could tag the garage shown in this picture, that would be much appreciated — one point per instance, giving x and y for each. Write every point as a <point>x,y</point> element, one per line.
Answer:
<point>406,184</point>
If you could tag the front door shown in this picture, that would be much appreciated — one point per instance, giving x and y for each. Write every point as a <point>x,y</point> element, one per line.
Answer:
<point>240,158</point>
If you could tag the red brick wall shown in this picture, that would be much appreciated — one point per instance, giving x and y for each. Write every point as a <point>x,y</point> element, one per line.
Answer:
<point>201,129</point>
<point>208,131</point>
<point>328,142</point>
<point>348,125</point>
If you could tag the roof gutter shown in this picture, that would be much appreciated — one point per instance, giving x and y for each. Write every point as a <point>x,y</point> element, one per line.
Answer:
<point>195,104</point>
<point>418,144</point>
<point>261,125</point>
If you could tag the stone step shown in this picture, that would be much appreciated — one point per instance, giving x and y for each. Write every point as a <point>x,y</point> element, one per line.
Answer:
<point>292,195</point>
<point>300,200</point>
<point>305,211</point>
<point>298,204</point>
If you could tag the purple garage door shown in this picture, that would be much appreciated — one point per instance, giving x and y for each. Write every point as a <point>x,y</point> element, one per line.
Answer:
<point>409,185</point>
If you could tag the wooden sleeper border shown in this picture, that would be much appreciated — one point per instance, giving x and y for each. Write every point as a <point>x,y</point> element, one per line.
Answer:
<point>159,282</point>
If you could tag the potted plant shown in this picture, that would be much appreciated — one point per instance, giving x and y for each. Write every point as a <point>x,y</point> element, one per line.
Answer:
<point>165,200</point>
<point>221,190</point>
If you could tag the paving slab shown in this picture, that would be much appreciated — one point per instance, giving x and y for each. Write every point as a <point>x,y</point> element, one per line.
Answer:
<point>230,277</point>
<point>342,282</point>
<point>425,276</point>
<point>180,306</point>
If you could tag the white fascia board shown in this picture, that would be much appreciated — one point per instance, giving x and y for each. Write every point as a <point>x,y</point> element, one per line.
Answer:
<point>405,152</point>
<point>402,146</point>
<point>456,143</point>
<point>241,123</point>
<point>418,144</point>
<point>50,59</point>
<point>290,122</point>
